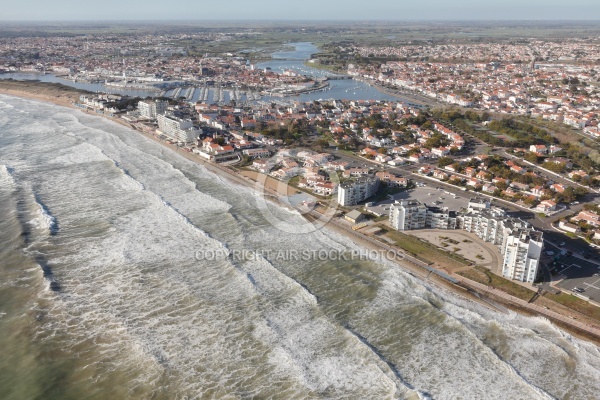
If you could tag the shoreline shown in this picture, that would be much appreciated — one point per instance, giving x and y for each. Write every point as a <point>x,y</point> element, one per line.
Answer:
<point>463,288</point>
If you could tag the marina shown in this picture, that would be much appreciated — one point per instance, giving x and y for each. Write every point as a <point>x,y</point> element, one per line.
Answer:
<point>333,86</point>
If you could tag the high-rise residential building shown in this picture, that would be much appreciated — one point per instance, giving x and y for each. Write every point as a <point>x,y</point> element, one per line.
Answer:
<point>407,215</point>
<point>522,253</point>
<point>352,192</point>
<point>151,109</point>
<point>519,244</point>
<point>411,214</point>
<point>440,218</point>
<point>178,129</point>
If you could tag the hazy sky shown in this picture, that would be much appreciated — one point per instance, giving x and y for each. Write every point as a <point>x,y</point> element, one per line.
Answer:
<point>301,9</point>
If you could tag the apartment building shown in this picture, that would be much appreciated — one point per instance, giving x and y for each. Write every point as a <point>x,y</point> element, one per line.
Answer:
<point>519,244</point>
<point>440,218</point>
<point>411,214</point>
<point>178,129</point>
<point>150,109</point>
<point>522,254</point>
<point>478,204</point>
<point>488,224</point>
<point>408,214</point>
<point>352,192</point>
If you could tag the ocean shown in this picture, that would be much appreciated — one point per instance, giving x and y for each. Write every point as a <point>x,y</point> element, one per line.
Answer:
<point>121,278</point>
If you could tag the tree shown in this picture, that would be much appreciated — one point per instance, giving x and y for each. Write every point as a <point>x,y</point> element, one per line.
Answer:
<point>427,125</point>
<point>457,167</point>
<point>532,157</point>
<point>443,161</point>
<point>322,143</point>
<point>568,195</point>
<point>501,185</point>
<point>555,167</point>
<point>436,140</point>
<point>580,192</point>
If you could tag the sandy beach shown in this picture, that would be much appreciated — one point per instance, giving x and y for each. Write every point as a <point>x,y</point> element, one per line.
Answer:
<point>275,189</point>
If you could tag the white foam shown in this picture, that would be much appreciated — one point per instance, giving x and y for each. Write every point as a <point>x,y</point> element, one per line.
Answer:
<point>7,175</point>
<point>45,218</point>
<point>304,337</point>
<point>79,154</point>
<point>136,303</point>
<point>4,105</point>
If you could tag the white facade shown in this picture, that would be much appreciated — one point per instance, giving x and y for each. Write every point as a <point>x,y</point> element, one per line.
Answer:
<point>478,204</point>
<point>353,192</point>
<point>408,215</point>
<point>520,245</point>
<point>150,109</point>
<point>181,130</point>
<point>522,254</point>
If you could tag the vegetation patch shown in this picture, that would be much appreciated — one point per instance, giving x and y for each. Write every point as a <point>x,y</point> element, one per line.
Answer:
<point>575,304</point>
<point>486,277</point>
<point>425,251</point>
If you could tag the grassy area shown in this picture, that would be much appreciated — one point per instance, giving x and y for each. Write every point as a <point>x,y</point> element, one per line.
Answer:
<point>576,304</point>
<point>35,86</point>
<point>425,251</point>
<point>485,276</point>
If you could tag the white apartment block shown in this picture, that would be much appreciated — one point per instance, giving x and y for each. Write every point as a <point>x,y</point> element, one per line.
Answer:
<point>407,215</point>
<point>440,218</point>
<point>150,109</point>
<point>180,130</point>
<point>519,244</point>
<point>352,192</point>
<point>522,255</point>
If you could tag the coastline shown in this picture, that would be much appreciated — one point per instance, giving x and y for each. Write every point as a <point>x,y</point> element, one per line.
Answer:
<point>468,290</point>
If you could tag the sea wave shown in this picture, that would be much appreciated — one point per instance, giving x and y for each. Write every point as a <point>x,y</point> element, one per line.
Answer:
<point>45,216</point>
<point>138,311</point>
<point>7,175</point>
<point>323,354</point>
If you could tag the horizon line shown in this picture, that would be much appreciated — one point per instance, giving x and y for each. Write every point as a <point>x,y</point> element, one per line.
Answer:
<point>301,20</point>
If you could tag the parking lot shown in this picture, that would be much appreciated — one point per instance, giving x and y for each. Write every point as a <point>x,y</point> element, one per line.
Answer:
<point>428,195</point>
<point>577,271</point>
